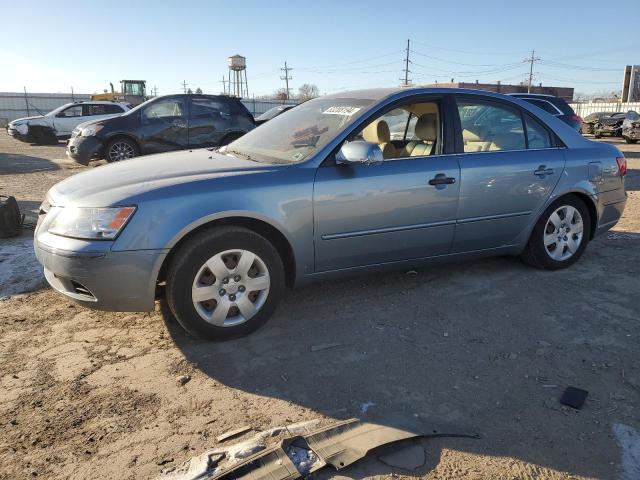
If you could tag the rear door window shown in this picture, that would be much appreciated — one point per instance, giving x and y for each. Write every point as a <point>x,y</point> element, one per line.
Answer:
<point>488,126</point>
<point>203,107</point>
<point>92,110</point>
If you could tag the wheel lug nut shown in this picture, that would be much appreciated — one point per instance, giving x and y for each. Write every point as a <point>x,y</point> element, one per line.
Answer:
<point>222,292</point>
<point>236,278</point>
<point>241,288</point>
<point>225,280</point>
<point>232,297</point>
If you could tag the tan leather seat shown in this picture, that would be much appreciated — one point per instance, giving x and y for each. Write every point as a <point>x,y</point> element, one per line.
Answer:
<point>378,132</point>
<point>426,130</point>
<point>477,140</point>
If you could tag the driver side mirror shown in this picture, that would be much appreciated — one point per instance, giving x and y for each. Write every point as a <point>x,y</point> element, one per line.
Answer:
<point>359,152</point>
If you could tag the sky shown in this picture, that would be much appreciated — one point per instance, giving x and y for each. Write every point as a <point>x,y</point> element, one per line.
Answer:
<point>52,46</point>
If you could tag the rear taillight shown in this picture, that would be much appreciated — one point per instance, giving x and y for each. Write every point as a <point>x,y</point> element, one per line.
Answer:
<point>622,165</point>
<point>577,118</point>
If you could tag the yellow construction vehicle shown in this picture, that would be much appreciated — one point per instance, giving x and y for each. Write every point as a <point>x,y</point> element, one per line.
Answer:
<point>131,91</point>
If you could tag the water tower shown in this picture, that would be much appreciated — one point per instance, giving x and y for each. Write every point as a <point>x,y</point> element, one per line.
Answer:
<point>238,68</point>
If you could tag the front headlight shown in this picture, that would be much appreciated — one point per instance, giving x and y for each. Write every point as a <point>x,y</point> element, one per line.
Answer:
<point>91,223</point>
<point>91,130</point>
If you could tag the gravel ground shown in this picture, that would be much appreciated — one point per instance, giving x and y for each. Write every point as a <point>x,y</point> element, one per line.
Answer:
<point>486,346</point>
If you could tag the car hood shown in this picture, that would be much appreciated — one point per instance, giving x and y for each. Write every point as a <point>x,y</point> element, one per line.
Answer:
<point>23,119</point>
<point>129,181</point>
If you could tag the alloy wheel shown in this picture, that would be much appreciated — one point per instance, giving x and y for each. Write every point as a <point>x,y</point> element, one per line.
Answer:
<point>121,151</point>
<point>563,233</point>
<point>230,288</point>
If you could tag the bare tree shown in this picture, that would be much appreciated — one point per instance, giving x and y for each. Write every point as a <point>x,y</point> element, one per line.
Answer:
<point>199,91</point>
<point>280,94</point>
<point>308,91</point>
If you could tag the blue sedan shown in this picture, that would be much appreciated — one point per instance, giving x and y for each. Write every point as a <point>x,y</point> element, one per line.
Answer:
<point>343,184</point>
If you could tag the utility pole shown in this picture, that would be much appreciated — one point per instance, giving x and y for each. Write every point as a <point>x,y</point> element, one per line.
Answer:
<point>73,98</point>
<point>155,91</point>
<point>531,61</point>
<point>286,77</point>
<point>184,86</point>
<point>406,66</point>
<point>26,101</point>
<point>224,85</point>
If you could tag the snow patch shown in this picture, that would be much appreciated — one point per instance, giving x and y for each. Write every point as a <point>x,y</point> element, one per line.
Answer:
<point>629,441</point>
<point>20,271</point>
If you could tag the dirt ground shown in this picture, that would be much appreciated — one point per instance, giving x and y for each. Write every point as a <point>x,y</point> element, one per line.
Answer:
<point>486,346</point>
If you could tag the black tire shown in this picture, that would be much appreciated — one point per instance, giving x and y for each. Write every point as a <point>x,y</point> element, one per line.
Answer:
<point>631,140</point>
<point>193,254</point>
<point>126,143</point>
<point>41,135</point>
<point>596,135</point>
<point>535,253</point>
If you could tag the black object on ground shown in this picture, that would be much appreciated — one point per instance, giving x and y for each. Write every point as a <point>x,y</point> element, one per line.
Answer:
<point>574,397</point>
<point>10,218</point>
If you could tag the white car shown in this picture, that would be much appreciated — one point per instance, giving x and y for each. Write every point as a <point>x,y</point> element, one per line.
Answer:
<point>60,122</point>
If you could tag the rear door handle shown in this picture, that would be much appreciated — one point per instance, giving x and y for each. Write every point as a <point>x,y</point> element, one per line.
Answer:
<point>543,170</point>
<point>442,179</point>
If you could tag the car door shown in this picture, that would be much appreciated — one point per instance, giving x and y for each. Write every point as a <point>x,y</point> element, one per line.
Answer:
<point>509,165</point>
<point>399,209</point>
<point>66,120</point>
<point>209,120</point>
<point>164,125</point>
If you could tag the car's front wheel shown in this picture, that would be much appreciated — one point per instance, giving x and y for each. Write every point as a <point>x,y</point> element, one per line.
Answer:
<point>120,149</point>
<point>631,140</point>
<point>560,235</point>
<point>224,282</point>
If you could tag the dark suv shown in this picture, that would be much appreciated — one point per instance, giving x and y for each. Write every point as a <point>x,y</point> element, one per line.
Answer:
<point>554,105</point>
<point>162,124</point>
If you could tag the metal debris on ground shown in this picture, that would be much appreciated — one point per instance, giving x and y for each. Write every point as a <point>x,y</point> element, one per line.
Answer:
<point>304,451</point>
<point>232,433</point>
<point>183,379</point>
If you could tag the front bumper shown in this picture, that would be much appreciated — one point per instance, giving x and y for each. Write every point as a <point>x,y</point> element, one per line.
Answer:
<point>17,135</point>
<point>97,277</point>
<point>633,133</point>
<point>83,149</point>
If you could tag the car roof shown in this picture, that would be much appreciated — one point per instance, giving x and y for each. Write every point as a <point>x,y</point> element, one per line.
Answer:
<point>381,93</point>
<point>546,95</point>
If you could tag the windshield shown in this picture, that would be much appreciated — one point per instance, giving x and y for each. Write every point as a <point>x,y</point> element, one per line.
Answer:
<point>299,132</point>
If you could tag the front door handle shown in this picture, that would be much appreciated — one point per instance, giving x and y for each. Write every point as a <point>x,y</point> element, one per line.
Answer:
<point>442,179</point>
<point>543,170</point>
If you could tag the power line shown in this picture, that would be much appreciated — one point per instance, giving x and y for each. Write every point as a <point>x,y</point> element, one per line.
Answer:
<point>286,77</point>
<point>531,60</point>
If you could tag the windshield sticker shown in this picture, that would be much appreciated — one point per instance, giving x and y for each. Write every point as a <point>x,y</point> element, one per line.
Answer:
<point>337,110</point>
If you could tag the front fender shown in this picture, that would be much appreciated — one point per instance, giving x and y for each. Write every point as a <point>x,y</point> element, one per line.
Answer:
<point>282,200</point>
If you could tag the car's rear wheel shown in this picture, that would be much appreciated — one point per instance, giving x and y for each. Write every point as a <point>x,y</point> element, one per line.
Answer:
<point>225,282</point>
<point>120,149</point>
<point>560,235</point>
<point>631,140</point>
